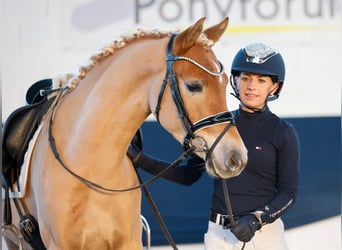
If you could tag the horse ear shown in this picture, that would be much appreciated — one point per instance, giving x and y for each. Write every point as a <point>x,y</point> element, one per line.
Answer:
<point>188,37</point>
<point>215,32</point>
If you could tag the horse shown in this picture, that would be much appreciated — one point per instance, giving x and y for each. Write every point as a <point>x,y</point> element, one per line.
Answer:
<point>82,187</point>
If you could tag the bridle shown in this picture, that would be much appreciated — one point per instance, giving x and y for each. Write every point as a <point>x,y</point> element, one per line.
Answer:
<point>191,128</point>
<point>189,147</point>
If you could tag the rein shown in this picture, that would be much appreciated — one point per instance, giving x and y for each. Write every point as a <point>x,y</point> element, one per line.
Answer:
<point>93,184</point>
<point>229,207</point>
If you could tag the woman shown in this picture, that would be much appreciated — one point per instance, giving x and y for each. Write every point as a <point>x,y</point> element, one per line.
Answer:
<point>267,187</point>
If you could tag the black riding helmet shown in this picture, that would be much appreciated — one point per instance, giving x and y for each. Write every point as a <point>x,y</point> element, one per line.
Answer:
<point>260,59</point>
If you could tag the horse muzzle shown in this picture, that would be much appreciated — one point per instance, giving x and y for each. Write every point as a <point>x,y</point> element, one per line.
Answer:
<point>225,161</point>
<point>234,162</point>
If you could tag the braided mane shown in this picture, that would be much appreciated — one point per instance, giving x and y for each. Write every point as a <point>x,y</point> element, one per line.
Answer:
<point>72,80</point>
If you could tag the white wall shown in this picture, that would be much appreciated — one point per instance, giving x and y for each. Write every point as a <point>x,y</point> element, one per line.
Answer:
<point>43,38</point>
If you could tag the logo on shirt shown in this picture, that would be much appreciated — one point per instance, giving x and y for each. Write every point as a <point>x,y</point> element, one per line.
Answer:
<point>259,148</point>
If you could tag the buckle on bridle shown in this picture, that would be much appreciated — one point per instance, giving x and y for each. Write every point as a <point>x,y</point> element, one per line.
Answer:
<point>196,142</point>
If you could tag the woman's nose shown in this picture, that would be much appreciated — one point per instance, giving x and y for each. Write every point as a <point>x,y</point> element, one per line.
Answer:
<point>251,84</point>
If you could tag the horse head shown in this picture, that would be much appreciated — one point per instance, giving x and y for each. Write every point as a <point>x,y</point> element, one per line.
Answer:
<point>196,81</point>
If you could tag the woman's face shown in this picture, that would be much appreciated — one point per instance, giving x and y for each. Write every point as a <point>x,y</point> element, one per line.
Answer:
<point>254,89</point>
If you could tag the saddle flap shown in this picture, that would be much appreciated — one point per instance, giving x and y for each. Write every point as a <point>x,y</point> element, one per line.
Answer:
<point>17,132</point>
<point>18,127</point>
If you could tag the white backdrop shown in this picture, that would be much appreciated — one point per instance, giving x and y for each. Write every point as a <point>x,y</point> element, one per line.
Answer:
<point>43,38</point>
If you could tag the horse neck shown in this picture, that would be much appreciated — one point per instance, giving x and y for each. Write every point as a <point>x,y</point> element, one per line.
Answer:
<point>111,103</point>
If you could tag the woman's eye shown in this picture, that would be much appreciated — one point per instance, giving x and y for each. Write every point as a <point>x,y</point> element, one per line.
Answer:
<point>195,86</point>
<point>262,80</point>
<point>244,79</point>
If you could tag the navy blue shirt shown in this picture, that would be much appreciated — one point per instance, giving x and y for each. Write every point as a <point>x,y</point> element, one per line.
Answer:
<point>270,180</point>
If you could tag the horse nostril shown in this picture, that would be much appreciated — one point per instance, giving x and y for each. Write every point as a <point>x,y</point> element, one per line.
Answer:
<point>234,162</point>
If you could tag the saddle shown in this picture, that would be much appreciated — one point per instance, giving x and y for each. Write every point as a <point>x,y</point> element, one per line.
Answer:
<point>18,130</point>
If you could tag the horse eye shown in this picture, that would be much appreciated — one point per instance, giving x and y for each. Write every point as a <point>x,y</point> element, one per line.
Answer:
<point>195,86</point>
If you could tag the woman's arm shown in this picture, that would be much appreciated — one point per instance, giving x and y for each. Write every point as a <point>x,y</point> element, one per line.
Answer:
<point>188,172</point>
<point>287,177</point>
